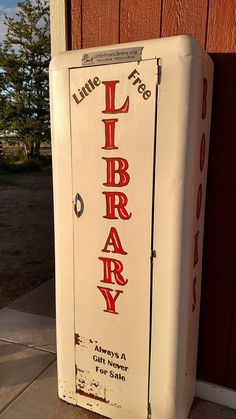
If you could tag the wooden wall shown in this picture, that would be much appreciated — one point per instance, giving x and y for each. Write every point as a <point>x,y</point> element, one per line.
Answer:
<point>212,22</point>
<point>104,22</point>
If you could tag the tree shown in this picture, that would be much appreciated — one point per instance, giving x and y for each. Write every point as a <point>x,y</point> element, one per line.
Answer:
<point>24,91</point>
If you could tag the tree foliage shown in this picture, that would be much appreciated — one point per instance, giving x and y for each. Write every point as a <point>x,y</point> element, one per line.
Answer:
<point>24,60</point>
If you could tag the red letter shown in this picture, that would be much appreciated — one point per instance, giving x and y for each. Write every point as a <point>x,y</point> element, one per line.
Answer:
<point>111,205</point>
<point>110,98</point>
<point>195,257</point>
<point>204,101</point>
<point>110,301</point>
<point>202,152</point>
<point>121,170</point>
<point>114,240</point>
<point>109,133</point>
<point>194,303</point>
<point>116,271</point>
<point>199,201</point>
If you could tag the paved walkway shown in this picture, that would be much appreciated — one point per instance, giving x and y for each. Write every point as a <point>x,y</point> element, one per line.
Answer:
<point>28,382</point>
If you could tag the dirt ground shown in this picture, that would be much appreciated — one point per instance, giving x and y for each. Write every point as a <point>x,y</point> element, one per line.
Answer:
<point>26,234</point>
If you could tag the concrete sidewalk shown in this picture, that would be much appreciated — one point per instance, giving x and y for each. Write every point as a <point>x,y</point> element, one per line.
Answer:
<point>28,379</point>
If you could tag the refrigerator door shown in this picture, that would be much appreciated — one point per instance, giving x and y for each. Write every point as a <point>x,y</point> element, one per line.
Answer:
<point>113,113</point>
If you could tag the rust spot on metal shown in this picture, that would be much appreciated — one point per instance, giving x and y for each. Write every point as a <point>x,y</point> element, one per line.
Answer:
<point>116,405</point>
<point>81,383</point>
<point>83,342</point>
<point>77,339</point>
<point>92,396</point>
<point>77,370</point>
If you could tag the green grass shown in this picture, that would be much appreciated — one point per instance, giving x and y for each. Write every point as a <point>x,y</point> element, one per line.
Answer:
<point>7,180</point>
<point>25,166</point>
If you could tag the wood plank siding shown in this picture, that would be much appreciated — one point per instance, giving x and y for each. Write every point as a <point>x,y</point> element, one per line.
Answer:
<point>187,17</point>
<point>146,25</point>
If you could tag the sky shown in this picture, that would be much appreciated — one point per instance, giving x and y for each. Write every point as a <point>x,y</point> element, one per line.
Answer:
<point>9,8</point>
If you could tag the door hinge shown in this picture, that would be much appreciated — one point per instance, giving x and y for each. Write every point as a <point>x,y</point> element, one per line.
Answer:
<point>149,411</point>
<point>159,70</point>
<point>153,253</point>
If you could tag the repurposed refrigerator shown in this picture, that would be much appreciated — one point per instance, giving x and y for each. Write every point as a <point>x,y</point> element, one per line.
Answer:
<point>130,135</point>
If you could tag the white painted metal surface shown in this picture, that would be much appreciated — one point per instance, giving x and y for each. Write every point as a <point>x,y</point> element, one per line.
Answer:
<point>120,309</point>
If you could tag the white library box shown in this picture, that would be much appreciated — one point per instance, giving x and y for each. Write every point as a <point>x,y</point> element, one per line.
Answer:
<point>130,135</point>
